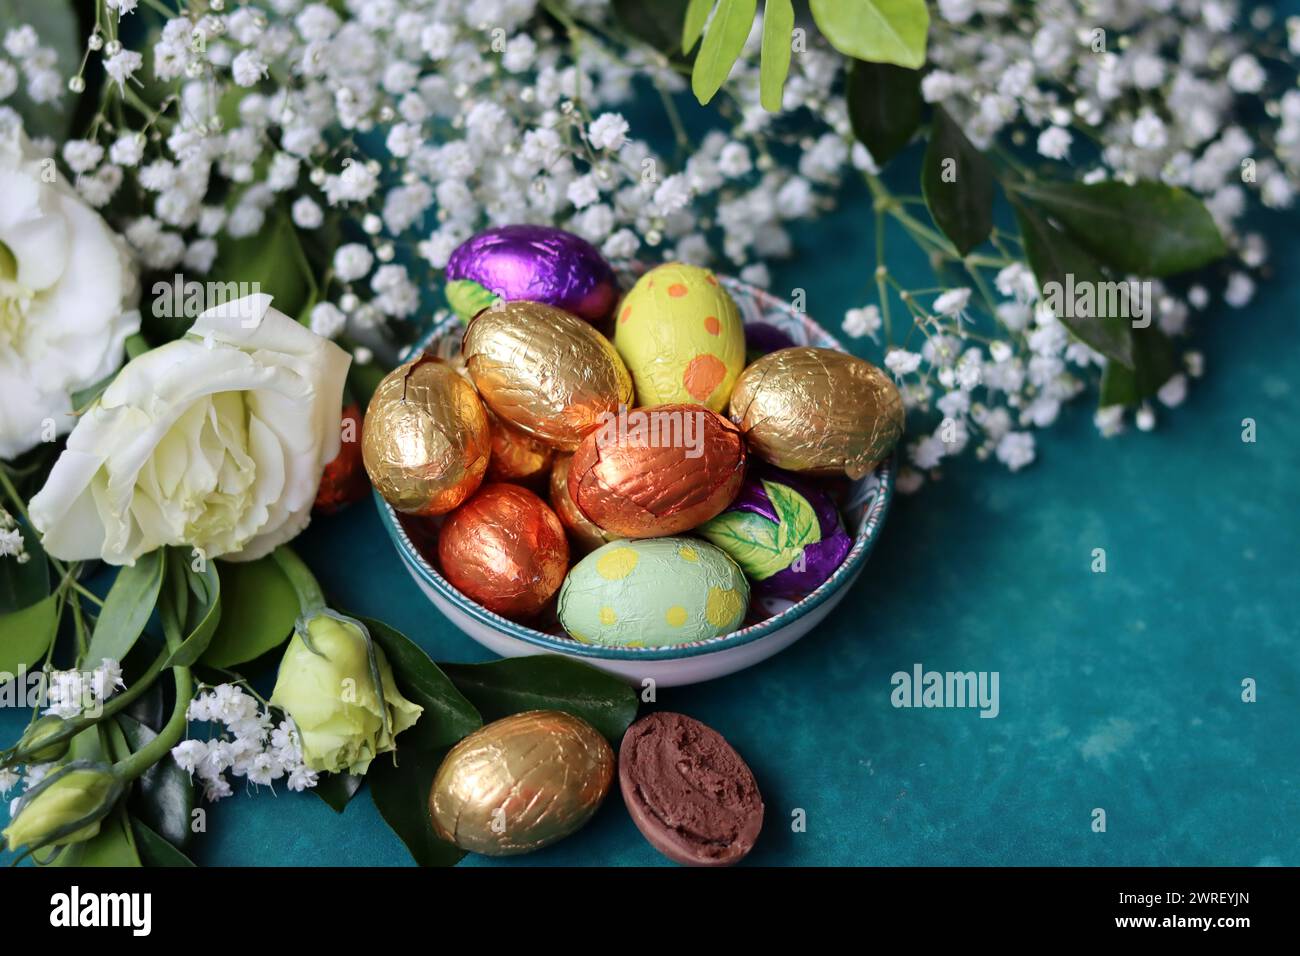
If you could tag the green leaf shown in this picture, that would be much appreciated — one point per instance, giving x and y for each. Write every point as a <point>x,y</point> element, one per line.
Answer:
<point>203,615</point>
<point>401,794</point>
<point>778,26</point>
<point>957,181</point>
<point>881,31</point>
<point>154,850</point>
<point>1058,259</point>
<point>113,846</point>
<point>26,635</point>
<point>1154,363</point>
<point>22,585</point>
<point>1148,229</point>
<point>259,608</point>
<point>750,539</point>
<point>338,789</point>
<point>270,261</point>
<point>697,14</point>
<point>799,525</point>
<point>547,682</point>
<point>884,107</point>
<point>127,609</point>
<point>722,46</point>
<point>447,716</point>
<point>56,24</point>
<point>163,796</point>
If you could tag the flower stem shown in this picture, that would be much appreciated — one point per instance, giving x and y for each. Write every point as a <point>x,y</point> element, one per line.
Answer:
<point>169,737</point>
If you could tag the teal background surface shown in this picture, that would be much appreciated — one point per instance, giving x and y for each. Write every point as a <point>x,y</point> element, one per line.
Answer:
<point>1119,691</point>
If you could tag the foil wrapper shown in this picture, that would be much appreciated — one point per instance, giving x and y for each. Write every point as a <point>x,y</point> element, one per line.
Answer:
<point>521,783</point>
<point>784,532</point>
<point>344,479</point>
<point>531,263</point>
<point>818,411</point>
<point>586,534</point>
<point>546,373</point>
<point>516,455</point>
<point>504,549</point>
<point>426,441</point>
<point>657,471</point>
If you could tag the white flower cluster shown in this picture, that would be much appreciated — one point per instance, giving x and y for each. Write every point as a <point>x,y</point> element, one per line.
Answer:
<point>12,544</point>
<point>73,692</point>
<point>28,67</point>
<point>250,744</point>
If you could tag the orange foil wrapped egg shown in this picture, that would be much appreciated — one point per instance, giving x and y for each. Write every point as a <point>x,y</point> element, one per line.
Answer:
<point>583,530</point>
<point>657,471</point>
<point>516,455</point>
<point>505,549</point>
<point>344,479</point>
<point>427,441</point>
<point>545,372</point>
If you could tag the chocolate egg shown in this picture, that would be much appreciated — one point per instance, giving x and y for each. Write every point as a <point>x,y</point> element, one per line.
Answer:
<point>545,372</point>
<point>505,549</point>
<point>681,337</point>
<point>344,479</point>
<point>656,593</point>
<point>585,532</point>
<point>426,440</point>
<point>785,533</point>
<point>818,411</point>
<point>521,783</point>
<point>516,455</point>
<point>657,471</point>
<point>532,263</point>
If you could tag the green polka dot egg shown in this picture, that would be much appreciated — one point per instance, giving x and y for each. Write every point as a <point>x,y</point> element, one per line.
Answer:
<point>656,592</point>
<point>681,337</point>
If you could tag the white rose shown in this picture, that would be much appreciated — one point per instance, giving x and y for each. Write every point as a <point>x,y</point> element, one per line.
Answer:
<point>67,295</point>
<point>215,441</point>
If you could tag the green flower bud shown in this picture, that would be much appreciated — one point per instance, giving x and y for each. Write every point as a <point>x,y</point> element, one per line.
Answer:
<point>338,687</point>
<point>66,807</point>
<point>32,747</point>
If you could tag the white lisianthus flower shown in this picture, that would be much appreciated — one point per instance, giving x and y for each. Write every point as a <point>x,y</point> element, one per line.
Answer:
<point>214,441</point>
<point>68,291</point>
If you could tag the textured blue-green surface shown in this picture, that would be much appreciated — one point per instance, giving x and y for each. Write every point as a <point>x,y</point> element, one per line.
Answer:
<point>1119,690</point>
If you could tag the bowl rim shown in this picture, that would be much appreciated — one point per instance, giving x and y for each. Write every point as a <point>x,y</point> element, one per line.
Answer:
<point>863,543</point>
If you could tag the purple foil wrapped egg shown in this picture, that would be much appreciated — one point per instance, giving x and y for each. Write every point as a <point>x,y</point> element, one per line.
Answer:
<point>784,532</point>
<point>532,263</point>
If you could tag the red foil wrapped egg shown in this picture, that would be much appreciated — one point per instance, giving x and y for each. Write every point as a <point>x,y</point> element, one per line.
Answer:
<point>657,471</point>
<point>344,479</point>
<point>505,549</point>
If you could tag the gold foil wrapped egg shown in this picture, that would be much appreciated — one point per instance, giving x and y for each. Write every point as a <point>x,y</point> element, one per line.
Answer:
<point>657,471</point>
<point>505,549</point>
<point>586,533</point>
<point>516,455</point>
<point>427,441</point>
<point>818,411</point>
<point>547,373</point>
<point>521,783</point>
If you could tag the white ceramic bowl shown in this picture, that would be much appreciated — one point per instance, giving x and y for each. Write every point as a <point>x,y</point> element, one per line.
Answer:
<point>863,511</point>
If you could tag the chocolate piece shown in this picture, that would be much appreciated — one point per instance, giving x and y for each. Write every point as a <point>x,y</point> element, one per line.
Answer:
<point>689,793</point>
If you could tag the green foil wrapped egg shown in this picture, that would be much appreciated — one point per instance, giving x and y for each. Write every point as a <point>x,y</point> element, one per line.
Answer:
<point>680,335</point>
<point>654,592</point>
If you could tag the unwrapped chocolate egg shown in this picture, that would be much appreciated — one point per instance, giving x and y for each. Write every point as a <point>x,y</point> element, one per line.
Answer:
<point>655,593</point>
<point>545,372</point>
<point>521,783</point>
<point>585,532</point>
<point>784,532</point>
<point>532,263</point>
<point>681,337</point>
<point>818,411</point>
<point>516,455</point>
<point>657,471</point>
<point>426,440</point>
<point>505,549</point>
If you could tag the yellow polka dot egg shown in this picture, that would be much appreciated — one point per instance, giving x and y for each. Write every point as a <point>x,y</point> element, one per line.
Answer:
<point>654,592</point>
<point>680,335</point>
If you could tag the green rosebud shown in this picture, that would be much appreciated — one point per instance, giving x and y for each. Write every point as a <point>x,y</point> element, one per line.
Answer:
<point>338,687</point>
<point>66,807</point>
<point>33,747</point>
